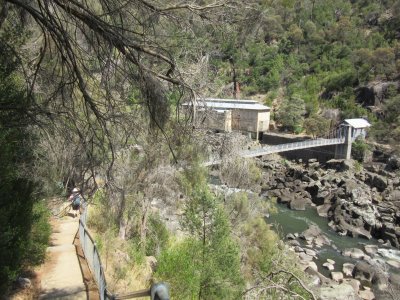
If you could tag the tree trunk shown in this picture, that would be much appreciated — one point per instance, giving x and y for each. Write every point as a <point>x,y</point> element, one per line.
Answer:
<point>122,221</point>
<point>143,224</point>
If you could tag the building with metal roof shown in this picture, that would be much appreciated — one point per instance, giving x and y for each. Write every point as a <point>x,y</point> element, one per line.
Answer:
<point>358,123</point>
<point>358,127</point>
<point>231,114</point>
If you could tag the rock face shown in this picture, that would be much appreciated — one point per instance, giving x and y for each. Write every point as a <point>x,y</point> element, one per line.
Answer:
<point>363,203</point>
<point>374,93</point>
<point>359,204</point>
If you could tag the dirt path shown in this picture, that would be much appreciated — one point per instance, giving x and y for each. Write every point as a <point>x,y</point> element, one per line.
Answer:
<point>61,276</point>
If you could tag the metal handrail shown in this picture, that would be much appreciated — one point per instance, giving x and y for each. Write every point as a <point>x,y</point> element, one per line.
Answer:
<point>92,256</point>
<point>292,146</point>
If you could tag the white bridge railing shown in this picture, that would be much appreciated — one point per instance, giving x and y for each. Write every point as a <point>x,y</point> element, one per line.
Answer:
<point>292,146</point>
<point>283,148</point>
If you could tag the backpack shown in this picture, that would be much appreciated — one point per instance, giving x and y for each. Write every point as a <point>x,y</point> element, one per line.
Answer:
<point>77,201</point>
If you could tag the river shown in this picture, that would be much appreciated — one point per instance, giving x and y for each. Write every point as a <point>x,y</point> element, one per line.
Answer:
<point>292,221</point>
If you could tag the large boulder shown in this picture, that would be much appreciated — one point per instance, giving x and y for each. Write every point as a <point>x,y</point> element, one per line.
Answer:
<point>313,266</point>
<point>363,271</point>
<point>314,235</point>
<point>341,223</point>
<point>299,203</point>
<point>24,283</point>
<point>374,93</point>
<point>393,195</point>
<point>380,182</point>
<point>323,196</point>
<point>371,249</point>
<point>290,236</point>
<point>311,233</point>
<point>323,280</point>
<point>354,253</point>
<point>338,292</point>
<point>285,197</point>
<point>394,263</point>
<point>305,257</point>
<point>348,269</point>
<point>360,196</point>
<point>366,295</point>
<point>310,252</point>
<point>329,266</point>
<point>353,282</point>
<point>393,163</point>
<point>337,276</point>
<point>340,165</point>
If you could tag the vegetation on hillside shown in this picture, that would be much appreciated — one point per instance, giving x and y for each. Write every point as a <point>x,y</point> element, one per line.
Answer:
<point>24,228</point>
<point>317,52</point>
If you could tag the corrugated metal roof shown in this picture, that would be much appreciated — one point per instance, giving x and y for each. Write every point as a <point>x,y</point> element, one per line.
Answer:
<point>358,123</point>
<point>243,101</point>
<point>231,104</point>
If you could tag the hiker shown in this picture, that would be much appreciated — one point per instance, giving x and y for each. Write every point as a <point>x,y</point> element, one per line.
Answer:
<point>76,200</point>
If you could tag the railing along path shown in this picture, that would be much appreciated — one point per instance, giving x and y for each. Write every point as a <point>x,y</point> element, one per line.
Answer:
<point>92,256</point>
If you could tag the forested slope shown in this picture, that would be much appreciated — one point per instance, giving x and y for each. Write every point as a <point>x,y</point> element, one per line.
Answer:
<point>317,55</point>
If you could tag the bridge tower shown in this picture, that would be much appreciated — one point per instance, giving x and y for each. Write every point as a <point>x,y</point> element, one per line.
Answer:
<point>343,151</point>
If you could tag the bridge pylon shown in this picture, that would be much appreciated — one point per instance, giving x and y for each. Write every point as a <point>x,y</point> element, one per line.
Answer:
<point>343,151</point>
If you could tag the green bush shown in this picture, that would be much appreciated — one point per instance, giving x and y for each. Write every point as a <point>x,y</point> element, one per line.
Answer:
<point>291,114</point>
<point>157,236</point>
<point>358,149</point>
<point>178,266</point>
<point>338,81</point>
<point>40,234</point>
<point>24,230</point>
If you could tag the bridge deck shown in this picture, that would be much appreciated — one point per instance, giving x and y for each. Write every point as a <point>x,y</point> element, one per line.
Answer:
<point>292,146</point>
<point>283,148</point>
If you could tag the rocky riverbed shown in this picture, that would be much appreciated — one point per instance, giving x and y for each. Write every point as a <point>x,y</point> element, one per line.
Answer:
<point>356,202</point>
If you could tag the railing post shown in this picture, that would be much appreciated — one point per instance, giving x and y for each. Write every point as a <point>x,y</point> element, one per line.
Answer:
<point>159,291</point>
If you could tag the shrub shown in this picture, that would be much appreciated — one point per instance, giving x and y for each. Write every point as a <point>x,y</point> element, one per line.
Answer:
<point>358,149</point>
<point>157,236</point>
<point>291,114</point>
<point>40,234</point>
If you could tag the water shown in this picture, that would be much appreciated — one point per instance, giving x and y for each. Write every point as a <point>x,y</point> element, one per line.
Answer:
<point>290,221</point>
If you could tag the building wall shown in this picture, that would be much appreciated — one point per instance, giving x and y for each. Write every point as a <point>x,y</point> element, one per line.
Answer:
<point>244,120</point>
<point>216,120</point>
<point>263,120</point>
<point>239,119</point>
<point>359,132</point>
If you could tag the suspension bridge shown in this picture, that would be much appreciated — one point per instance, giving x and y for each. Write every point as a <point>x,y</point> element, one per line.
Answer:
<point>342,137</point>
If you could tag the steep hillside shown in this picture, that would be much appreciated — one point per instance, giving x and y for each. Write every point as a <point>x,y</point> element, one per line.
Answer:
<point>321,54</point>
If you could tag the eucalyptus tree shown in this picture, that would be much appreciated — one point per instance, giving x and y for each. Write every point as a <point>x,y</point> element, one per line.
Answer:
<point>89,76</point>
<point>89,64</point>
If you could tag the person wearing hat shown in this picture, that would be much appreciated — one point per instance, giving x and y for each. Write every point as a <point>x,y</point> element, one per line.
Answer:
<point>75,199</point>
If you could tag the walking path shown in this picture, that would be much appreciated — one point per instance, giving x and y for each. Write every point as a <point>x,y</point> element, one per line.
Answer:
<point>61,275</point>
